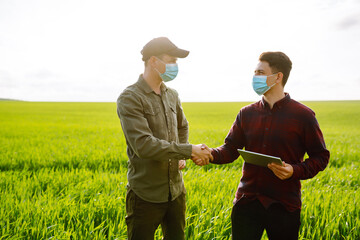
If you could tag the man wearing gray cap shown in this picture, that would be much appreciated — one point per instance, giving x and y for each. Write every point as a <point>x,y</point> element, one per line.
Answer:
<point>156,133</point>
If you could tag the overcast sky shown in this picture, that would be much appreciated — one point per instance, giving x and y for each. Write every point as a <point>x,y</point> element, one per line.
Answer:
<point>90,50</point>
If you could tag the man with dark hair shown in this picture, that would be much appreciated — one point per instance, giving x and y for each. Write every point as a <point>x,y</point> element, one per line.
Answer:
<point>156,133</point>
<point>269,197</point>
<point>278,62</point>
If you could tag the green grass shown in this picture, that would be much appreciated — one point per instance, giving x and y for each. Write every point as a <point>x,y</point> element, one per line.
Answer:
<point>63,173</point>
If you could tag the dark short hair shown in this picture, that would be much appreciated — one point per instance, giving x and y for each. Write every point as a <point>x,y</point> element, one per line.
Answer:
<point>278,62</point>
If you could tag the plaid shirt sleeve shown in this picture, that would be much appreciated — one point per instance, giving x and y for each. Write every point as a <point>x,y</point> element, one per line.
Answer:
<point>227,153</point>
<point>316,150</point>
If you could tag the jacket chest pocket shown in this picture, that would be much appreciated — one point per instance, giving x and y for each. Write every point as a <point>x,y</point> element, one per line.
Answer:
<point>155,120</point>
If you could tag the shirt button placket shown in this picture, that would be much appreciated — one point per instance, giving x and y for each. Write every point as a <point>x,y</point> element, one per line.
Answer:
<point>168,124</point>
<point>267,127</point>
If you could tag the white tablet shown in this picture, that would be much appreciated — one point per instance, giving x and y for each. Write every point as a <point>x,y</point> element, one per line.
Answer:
<point>258,158</point>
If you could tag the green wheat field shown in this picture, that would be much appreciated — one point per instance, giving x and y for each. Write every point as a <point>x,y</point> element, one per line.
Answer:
<point>63,173</point>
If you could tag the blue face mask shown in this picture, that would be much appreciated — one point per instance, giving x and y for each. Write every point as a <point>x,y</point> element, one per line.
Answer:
<point>171,71</point>
<point>259,84</point>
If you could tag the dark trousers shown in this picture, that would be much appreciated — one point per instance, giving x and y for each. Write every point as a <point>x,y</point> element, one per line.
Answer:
<point>250,219</point>
<point>143,218</point>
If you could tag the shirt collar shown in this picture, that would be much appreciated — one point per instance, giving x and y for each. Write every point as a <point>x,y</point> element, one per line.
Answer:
<point>279,104</point>
<point>145,86</point>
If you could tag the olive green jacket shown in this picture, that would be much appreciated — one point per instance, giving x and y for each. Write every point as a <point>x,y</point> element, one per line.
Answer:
<point>156,133</point>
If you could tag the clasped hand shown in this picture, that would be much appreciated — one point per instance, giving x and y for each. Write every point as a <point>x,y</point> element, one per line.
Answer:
<point>201,154</point>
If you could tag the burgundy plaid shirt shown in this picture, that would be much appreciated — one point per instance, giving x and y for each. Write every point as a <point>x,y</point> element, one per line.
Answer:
<point>288,130</point>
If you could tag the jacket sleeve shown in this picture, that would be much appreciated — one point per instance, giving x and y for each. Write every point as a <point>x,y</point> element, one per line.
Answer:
<point>183,125</point>
<point>139,136</point>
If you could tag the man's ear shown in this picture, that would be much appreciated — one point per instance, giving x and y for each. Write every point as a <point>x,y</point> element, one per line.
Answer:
<point>152,61</point>
<point>279,77</point>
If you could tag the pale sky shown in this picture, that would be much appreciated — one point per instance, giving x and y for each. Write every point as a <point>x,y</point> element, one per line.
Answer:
<point>72,50</point>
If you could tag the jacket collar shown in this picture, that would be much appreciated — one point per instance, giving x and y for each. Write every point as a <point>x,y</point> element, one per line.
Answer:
<point>145,86</point>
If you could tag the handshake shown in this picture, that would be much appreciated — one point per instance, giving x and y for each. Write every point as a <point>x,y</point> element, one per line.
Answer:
<point>201,154</point>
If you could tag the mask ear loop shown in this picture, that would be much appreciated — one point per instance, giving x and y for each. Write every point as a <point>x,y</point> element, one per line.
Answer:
<point>274,82</point>
<point>157,71</point>
<point>162,63</point>
<point>272,85</point>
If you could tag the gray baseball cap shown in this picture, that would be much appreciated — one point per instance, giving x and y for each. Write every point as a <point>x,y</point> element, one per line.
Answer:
<point>162,45</point>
